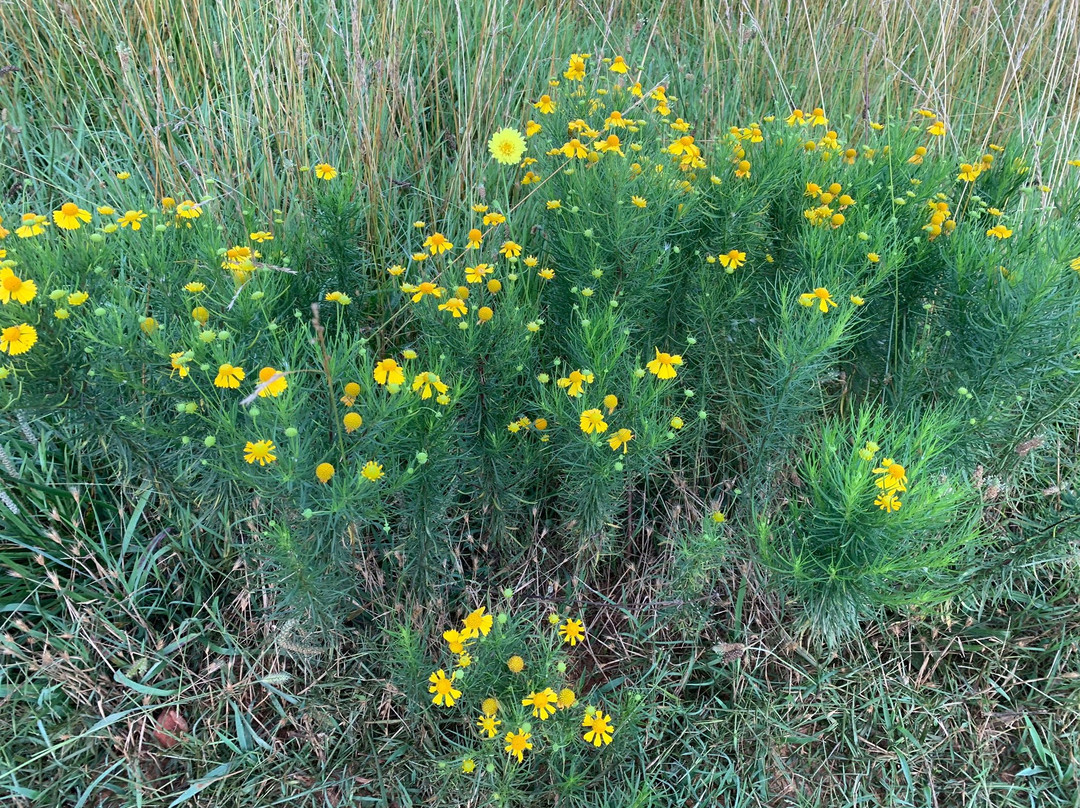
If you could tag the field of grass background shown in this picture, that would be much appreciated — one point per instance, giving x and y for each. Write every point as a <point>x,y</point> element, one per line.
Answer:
<point>975,708</point>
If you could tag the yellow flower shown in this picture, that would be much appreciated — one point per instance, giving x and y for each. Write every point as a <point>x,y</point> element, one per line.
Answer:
<point>443,688</point>
<point>17,339</point>
<point>639,201</point>
<point>610,403</point>
<point>718,517</point>
<point>493,218</point>
<point>856,300</point>
<point>425,381</point>
<point>797,116</point>
<point>229,376</point>
<point>260,236</point>
<point>733,259</point>
<point>490,706</point>
<point>455,305</point>
<point>592,421</point>
<point>517,743</point>
<point>32,225</point>
<point>873,257</point>
<point>437,243</point>
<point>999,231</point>
<point>469,765</point>
<point>511,249</point>
<point>600,729</point>
<point>489,723</point>
<point>195,287</point>
<point>455,640</point>
<point>576,69</point>
<point>532,128</point>
<point>937,129</point>
<point>372,471</point>
<point>325,171</point>
<point>425,288</point>
<point>545,105</point>
<point>546,273</point>
<point>968,172</point>
<point>507,146</point>
<point>261,451</point>
<point>663,366</point>
<point>575,382</point>
<point>179,361</point>
<point>476,274</point>
<point>14,288</point>
<point>820,296</point>
<point>868,451</point>
<point>324,471</point>
<point>543,703</point>
<point>271,382</point>
<point>389,372</point>
<point>676,423</point>
<point>77,298</point>
<point>516,664</point>
<point>572,631</point>
<point>887,501</point>
<point>395,270</point>
<point>353,421</point>
<point>554,204</point>
<point>70,216</point>
<point>566,699</point>
<point>188,209</point>
<point>132,219</point>
<point>476,622</point>
<point>476,238</point>
<point>620,438</point>
<point>340,298</point>
<point>618,65</point>
<point>893,476</point>
<point>484,313</point>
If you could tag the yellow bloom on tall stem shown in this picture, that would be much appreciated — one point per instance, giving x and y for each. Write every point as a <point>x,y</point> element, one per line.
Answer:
<point>489,723</point>
<point>372,471</point>
<point>389,372</point>
<point>476,623</point>
<point>618,65</point>
<point>575,382</point>
<point>572,631</point>
<point>437,243</point>
<point>663,366</point>
<point>517,743</point>
<point>733,259</point>
<point>593,421</point>
<point>17,339</point>
<point>14,288</point>
<point>894,476</point>
<point>620,439</point>
<point>425,381</point>
<point>443,688</point>
<point>132,219</point>
<point>271,382</point>
<point>70,216</point>
<point>229,376</point>
<point>543,703</point>
<point>600,728</point>
<point>999,231</point>
<point>819,296</point>
<point>325,171</point>
<point>507,146</point>
<point>261,451</point>
<point>455,305</point>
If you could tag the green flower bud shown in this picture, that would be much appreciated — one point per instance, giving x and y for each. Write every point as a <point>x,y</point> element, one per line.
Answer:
<point>209,441</point>
<point>421,457</point>
<point>291,432</point>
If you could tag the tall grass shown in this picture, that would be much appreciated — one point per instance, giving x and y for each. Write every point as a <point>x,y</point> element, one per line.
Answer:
<point>405,92</point>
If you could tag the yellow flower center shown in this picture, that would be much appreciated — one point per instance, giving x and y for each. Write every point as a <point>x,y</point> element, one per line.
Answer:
<point>12,283</point>
<point>69,209</point>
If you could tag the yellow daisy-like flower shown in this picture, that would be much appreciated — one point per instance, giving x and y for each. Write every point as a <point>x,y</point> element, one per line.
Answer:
<point>516,664</point>
<point>476,238</point>
<point>476,274</point>
<point>999,231</point>
<point>229,376</point>
<point>437,243</point>
<point>178,361</point>
<point>937,129</point>
<point>507,146</point>
<point>819,296</point>
<point>340,298</point>
<point>325,171</point>
<point>77,298</point>
<point>17,339</point>
<point>443,688</point>
<point>618,65</point>
<point>600,728</point>
<point>489,724</point>
<point>639,201</point>
<point>271,382</point>
<point>389,372</point>
<point>620,439</point>
<point>566,699</point>
<point>733,259</point>
<point>545,105</point>
<point>259,236</point>
<point>324,472</point>
<point>663,366</point>
<point>261,451</point>
<point>132,219</point>
<point>32,225</point>
<point>572,631</point>
<point>14,288</point>
<point>593,421</point>
<point>425,288</point>
<point>195,287</point>
<point>887,501</point>
<point>372,471</point>
<point>456,640</point>
<point>511,249</point>
<point>543,703</point>
<point>468,765</point>
<point>517,743</point>
<point>70,216</point>
<point>455,305</point>
<point>476,623</point>
<point>188,209</point>
<point>893,476</point>
<point>575,382</point>
<point>425,381</point>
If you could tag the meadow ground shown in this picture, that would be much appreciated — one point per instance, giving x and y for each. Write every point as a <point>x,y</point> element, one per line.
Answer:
<point>357,451</point>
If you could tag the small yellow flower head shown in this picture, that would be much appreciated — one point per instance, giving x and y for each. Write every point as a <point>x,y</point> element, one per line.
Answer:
<point>70,216</point>
<point>468,765</point>
<point>261,451</point>
<point>593,421</point>
<point>494,286</point>
<point>620,439</point>
<point>610,403</point>
<point>14,288</point>
<point>566,700</point>
<point>543,703</point>
<point>517,743</point>
<point>195,287</point>
<point>638,201</point>
<point>229,376</point>
<point>271,382</point>
<point>489,724</point>
<point>484,314</point>
<point>387,371</point>
<point>372,471</point>
<point>676,423</point>
<point>353,421</point>
<point>507,146</point>
<point>443,688</point>
<point>148,325</point>
<point>572,631</point>
<point>324,472</point>
<point>718,517</point>
<point>17,339</point>
<point>325,171</point>
<point>887,501</point>
<point>999,231</point>
<point>663,366</point>
<point>819,296</point>
<point>937,129</point>
<point>600,728</point>
<point>516,664</point>
<point>733,259</point>
<point>477,623</point>
<point>490,706</point>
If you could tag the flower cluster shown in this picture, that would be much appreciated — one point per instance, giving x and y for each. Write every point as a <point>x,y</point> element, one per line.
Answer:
<point>892,478</point>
